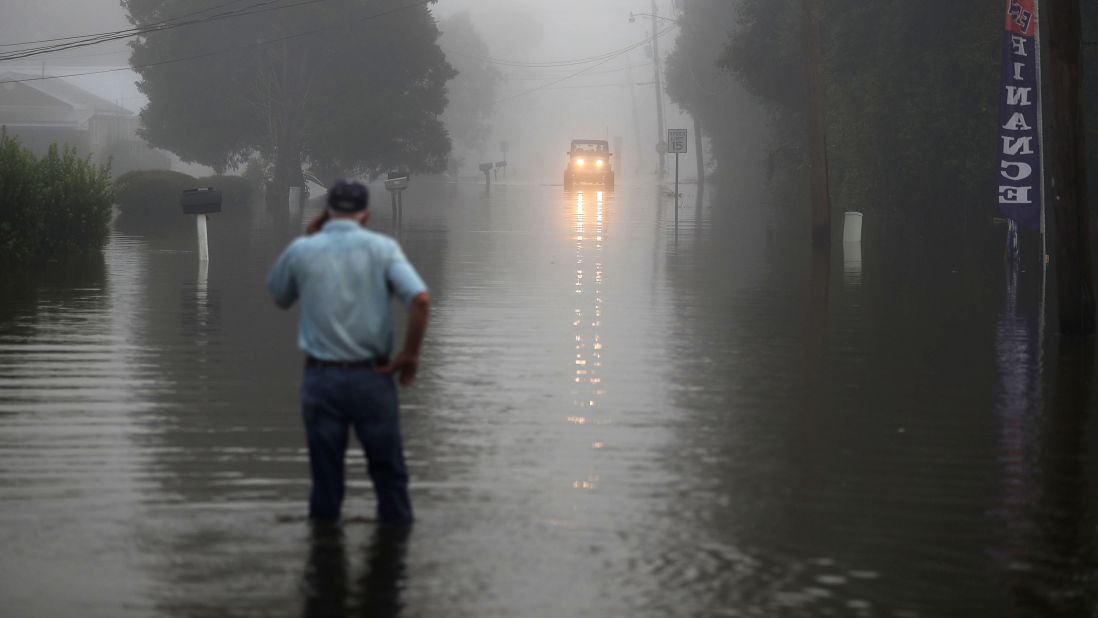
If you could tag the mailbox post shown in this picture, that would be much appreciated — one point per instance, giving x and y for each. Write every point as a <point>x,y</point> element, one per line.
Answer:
<point>395,183</point>
<point>201,202</point>
<point>487,169</point>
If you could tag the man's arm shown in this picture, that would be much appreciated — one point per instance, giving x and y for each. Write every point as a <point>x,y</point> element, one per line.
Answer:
<point>280,282</point>
<point>407,362</point>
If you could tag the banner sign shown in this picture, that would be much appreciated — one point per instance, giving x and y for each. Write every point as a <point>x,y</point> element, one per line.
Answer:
<point>1019,170</point>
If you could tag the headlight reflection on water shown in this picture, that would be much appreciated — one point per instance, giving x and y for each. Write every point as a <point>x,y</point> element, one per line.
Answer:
<point>588,387</point>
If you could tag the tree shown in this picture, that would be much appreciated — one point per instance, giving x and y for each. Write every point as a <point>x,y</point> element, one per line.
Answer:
<point>697,84</point>
<point>910,110</point>
<point>473,92</point>
<point>350,88</point>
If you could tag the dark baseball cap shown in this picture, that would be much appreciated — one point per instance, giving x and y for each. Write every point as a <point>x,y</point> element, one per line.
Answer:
<point>348,196</point>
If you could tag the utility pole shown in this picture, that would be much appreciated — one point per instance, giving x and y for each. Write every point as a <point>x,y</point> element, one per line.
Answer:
<point>1068,169</point>
<point>817,127</point>
<point>699,155</point>
<point>662,135</point>
<point>638,139</point>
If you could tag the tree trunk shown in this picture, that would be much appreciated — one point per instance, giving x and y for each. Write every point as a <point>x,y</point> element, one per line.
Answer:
<point>287,121</point>
<point>817,140</point>
<point>699,154</point>
<point>287,171</point>
<point>1068,170</point>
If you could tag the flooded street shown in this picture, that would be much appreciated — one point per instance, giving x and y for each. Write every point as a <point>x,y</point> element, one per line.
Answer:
<point>615,416</point>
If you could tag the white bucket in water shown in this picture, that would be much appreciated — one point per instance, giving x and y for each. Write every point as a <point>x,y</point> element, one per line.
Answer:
<point>852,227</point>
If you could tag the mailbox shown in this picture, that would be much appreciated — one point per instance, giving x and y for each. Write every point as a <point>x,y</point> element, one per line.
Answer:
<point>501,164</point>
<point>396,184</point>
<point>398,173</point>
<point>486,167</point>
<point>201,201</point>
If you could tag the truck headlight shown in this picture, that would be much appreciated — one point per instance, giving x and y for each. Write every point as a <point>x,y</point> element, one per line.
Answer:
<point>599,163</point>
<point>580,162</point>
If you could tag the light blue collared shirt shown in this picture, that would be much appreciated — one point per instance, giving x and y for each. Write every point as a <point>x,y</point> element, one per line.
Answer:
<point>344,276</point>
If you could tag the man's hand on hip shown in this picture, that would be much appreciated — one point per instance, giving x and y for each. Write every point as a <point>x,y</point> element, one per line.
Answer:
<point>405,365</point>
<point>407,361</point>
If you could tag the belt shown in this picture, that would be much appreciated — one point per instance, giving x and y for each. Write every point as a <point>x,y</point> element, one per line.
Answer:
<point>349,364</point>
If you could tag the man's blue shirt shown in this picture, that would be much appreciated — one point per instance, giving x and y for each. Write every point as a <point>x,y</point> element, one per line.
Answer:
<point>344,276</point>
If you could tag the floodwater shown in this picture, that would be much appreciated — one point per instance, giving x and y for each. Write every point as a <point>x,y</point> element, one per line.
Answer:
<point>616,416</point>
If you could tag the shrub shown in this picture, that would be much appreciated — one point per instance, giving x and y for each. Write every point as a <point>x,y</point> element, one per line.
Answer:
<point>235,190</point>
<point>151,193</point>
<point>51,207</point>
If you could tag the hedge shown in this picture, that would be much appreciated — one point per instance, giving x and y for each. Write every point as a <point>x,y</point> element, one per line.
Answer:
<point>155,193</point>
<point>52,207</point>
<point>151,193</point>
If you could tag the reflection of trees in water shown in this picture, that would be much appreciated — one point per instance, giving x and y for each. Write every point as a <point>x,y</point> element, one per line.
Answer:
<point>222,351</point>
<point>24,287</point>
<point>1049,557</point>
<point>853,430</point>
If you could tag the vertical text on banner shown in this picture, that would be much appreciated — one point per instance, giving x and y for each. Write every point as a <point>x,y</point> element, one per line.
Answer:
<point>1019,171</point>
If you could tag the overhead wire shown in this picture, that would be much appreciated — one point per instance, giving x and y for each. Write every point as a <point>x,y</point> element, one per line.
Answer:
<point>344,24</point>
<point>97,34</point>
<point>522,64</point>
<point>527,77</point>
<point>261,6</point>
<point>265,5</point>
<point>616,54</point>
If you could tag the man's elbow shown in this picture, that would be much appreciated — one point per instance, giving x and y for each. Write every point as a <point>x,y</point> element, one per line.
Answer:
<point>420,302</point>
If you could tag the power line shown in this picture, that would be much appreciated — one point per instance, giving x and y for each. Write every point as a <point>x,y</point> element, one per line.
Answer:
<point>554,63</point>
<point>262,6</point>
<point>607,85</point>
<point>620,52</point>
<point>87,36</point>
<point>228,49</point>
<point>512,76</point>
<point>114,52</point>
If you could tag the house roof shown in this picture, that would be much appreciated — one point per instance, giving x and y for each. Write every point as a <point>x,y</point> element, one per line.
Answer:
<point>74,106</point>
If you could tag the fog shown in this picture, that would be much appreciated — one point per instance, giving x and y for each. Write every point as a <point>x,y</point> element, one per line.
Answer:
<point>837,368</point>
<point>539,109</point>
<point>614,100</point>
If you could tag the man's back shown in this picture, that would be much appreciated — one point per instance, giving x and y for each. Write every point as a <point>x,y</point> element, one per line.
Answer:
<point>343,277</point>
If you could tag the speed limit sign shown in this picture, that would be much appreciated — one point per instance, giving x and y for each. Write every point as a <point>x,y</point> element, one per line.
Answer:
<point>676,139</point>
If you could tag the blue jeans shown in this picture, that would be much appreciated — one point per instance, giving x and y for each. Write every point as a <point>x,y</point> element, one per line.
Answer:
<point>334,399</point>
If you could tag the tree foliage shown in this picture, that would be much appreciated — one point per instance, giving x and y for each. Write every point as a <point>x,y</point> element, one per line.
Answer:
<point>50,207</point>
<point>472,93</point>
<point>697,83</point>
<point>346,87</point>
<point>911,99</point>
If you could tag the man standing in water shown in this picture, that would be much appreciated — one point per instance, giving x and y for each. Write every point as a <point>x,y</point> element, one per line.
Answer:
<point>345,276</point>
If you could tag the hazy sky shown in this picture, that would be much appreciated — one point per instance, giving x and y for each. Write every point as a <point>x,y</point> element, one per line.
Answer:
<point>524,30</point>
<point>569,28</point>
